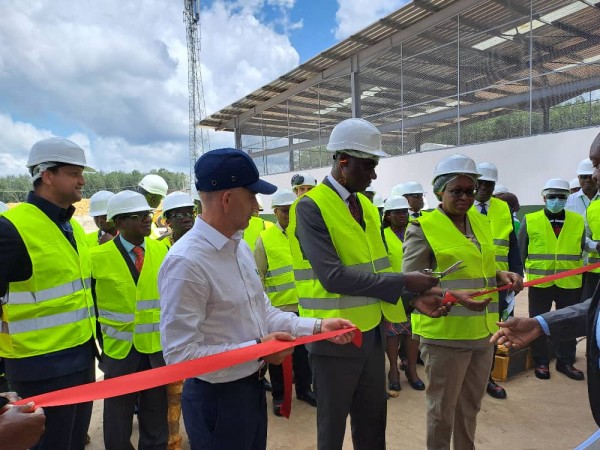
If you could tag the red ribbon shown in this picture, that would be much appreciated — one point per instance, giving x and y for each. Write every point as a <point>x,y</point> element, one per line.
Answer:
<point>152,378</point>
<point>449,298</point>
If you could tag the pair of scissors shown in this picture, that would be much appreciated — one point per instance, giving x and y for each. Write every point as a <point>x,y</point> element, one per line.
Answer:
<point>453,268</point>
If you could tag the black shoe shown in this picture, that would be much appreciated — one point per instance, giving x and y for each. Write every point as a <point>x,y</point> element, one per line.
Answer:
<point>277,407</point>
<point>570,371</point>
<point>267,385</point>
<point>308,396</point>
<point>542,372</point>
<point>495,391</point>
<point>417,384</point>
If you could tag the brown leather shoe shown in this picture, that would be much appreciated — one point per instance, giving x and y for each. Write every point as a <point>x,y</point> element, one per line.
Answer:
<point>570,371</point>
<point>542,372</point>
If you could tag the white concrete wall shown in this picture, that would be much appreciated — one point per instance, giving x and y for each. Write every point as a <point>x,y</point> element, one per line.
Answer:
<point>524,164</point>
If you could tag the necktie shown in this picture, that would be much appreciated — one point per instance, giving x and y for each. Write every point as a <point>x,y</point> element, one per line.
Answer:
<point>354,208</point>
<point>139,257</point>
<point>483,209</point>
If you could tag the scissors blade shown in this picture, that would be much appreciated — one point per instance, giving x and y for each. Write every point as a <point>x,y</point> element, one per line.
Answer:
<point>453,268</point>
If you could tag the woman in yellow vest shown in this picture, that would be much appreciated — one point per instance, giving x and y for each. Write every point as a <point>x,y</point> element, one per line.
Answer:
<point>395,221</point>
<point>456,348</point>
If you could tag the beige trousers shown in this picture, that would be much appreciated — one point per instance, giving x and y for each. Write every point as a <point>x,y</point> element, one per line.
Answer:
<point>457,382</point>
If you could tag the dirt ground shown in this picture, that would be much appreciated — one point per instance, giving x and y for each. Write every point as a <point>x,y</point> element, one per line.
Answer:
<point>538,414</point>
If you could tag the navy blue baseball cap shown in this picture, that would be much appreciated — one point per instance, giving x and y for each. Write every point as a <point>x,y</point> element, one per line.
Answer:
<point>228,168</point>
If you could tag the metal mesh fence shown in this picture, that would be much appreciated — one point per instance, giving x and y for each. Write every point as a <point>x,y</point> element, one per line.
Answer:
<point>497,71</point>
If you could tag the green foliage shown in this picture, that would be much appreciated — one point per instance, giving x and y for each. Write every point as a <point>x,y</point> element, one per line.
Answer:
<point>15,188</point>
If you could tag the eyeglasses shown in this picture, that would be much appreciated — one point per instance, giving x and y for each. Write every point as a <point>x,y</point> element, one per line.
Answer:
<point>182,215</point>
<point>297,180</point>
<point>140,217</point>
<point>414,195</point>
<point>556,196</point>
<point>458,193</point>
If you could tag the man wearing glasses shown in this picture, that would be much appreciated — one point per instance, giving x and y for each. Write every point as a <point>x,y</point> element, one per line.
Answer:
<point>179,214</point>
<point>551,241</point>
<point>580,200</point>
<point>125,274</point>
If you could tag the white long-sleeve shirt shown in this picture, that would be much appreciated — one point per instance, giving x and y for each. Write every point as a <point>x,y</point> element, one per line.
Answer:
<point>212,300</point>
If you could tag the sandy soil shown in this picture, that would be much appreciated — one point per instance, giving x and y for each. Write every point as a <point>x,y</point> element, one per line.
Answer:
<point>552,414</point>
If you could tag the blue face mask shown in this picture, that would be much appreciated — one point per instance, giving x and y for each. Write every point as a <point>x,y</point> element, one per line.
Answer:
<point>555,205</point>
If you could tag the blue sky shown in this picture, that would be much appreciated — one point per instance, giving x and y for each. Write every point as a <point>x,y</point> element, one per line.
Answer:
<point>112,75</point>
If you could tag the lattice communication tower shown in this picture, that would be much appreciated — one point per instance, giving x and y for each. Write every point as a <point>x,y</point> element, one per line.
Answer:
<point>198,137</point>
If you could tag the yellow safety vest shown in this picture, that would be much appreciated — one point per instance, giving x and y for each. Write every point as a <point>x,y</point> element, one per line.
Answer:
<point>547,255</point>
<point>129,314</point>
<point>593,220</point>
<point>53,310</point>
<point>394,246</point>
<point>280,285</point>
<point>449,245</point>
<point>501,222</point>
<point>92,239</point>
<point>359,250</point>
<point>255,226</point>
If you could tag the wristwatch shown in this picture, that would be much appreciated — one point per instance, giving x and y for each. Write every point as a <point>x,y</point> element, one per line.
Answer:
<point>317,327</point>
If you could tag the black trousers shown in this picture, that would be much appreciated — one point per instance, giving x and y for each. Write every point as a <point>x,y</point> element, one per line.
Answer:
<point>225,416</point>
<point>540,302</point>
<point>66,426</point>
<point>355,386</point>
<point>152,406</point>
<point>302,373</point>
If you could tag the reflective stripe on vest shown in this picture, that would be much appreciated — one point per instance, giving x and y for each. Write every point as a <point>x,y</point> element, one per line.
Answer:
<point>129,314</point>
<point>448,245</point>
<point>44,313</point>
<point>593,220</point>
<point>358,249</point>
<point>24,298</point>
<point>547,254</point>
<point>279,281</point>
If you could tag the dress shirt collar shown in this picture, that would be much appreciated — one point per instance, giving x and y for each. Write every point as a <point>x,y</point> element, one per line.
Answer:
<point>487,204</point>
<point>341,190</point>
<point>580,193</point>
<point>128,246</point>
<point>53,211</point>
<point>214,237</point>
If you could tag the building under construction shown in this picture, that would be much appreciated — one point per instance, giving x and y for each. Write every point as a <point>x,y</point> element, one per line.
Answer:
<point>440,76</point>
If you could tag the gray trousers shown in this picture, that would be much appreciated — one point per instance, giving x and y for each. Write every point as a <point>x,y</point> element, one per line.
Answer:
<point>457,381</point>
<point>152,406</point>
<point>352,385</point>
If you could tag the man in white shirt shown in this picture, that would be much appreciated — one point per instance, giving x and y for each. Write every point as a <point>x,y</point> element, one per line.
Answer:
<point>212,300</point>
<point>580,200</point>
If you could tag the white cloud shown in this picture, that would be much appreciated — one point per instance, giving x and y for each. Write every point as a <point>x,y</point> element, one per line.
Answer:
<point>354,15</point>
<point>113,75</point>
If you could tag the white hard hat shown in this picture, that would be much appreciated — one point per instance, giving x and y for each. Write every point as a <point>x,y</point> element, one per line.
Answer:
<point>59,150</point>
<point>456,163</point>
<point>261,205</point>
<point>585,167</point>
<point>398,189</point>
<point>303,179</point>
<point>3,207</point>
<point>488,171</point>
<point>356,134</point>
<point>155,184</point>
<point>283,197</point>
<point>556,184</point>
<point>574,183</point>
<point>396,202</point>
<point>500,189</point>
<point>177,199</point>
<point>126,202</point>
<point>378,201</point>
<point>99,203</point>
<point>412,187</point>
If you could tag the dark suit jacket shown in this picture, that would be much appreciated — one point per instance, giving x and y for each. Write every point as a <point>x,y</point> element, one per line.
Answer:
<point>318,248</point>
<point>581,320</point>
